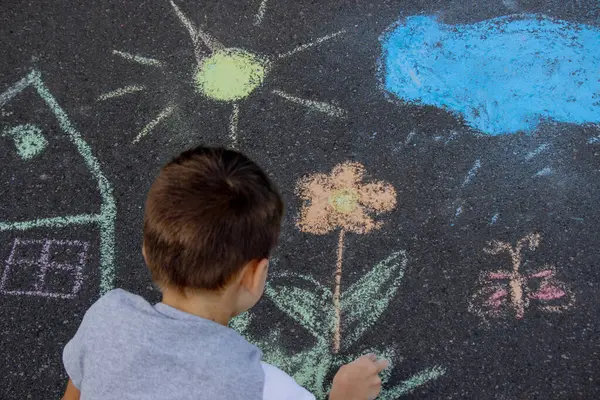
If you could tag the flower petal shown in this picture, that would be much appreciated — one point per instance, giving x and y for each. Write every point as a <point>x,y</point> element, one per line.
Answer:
<point>358,221</point>
<point>316,218</point>
<point>313,186</point>
<point>315,214</point>
<point>347,175</point>
<point>378,196</point>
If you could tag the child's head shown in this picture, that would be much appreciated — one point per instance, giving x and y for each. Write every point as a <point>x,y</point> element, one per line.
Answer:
<point>212,219</point>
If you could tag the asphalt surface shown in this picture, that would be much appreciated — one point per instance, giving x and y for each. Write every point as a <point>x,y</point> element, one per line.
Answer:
<point>442,222</point>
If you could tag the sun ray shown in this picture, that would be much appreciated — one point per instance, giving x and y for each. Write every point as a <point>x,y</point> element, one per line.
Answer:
<point>209,41</point>
<point>139,59</point>
<point>192,30</point>
<point>121,92</point>
<point>260,13</point>
<point>233,124</point>
<point>326,108</point>
<point>195,33</point>
<point>167,111</point>
<point>11,92</point>
<point>311,44</point>
<point>186,22</point>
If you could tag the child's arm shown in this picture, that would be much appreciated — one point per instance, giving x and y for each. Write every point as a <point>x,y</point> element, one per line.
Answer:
<point>72,393</point>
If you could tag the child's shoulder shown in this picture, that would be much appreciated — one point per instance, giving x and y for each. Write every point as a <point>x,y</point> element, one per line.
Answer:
<point>114,302</point>
<point>112,298</point>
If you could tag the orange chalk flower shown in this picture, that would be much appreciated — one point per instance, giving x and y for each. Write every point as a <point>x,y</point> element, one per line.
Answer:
<point>342,200</point>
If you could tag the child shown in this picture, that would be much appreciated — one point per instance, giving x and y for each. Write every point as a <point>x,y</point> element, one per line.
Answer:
<point>212,219</point>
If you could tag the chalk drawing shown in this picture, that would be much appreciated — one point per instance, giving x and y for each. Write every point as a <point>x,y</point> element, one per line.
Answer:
<point>472,172</point>
<point>546,171</point>
<point>231,74</point>
<point>325,108</point>
<point>502,75</point>
<point>260,13</point>
<point>199,37</point>
<point>594,140</point>
<point>166,112</point>
<point>363,304</point>
<point>28,140</point>
<point>534,153</point>
<point>104,220</point>
<point>139,59</point>
<point>44,266</point>
<point>457,211</point>
<point>508,293</point>
<point>511,4</point>
<point>311,44</point>
<point>226,75</point>
<point>341,200</point>
<point>121,92</point>
<point>495,219</point>
<point>409,138</point>
<point>14,90</point>
<point>233,125</point>
<point>453,135</point>
<point>417,380</point>
<point>459,202</point>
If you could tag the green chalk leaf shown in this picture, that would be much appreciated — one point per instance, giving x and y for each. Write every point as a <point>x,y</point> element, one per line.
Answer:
<point>366,300</point>
<point>310,308</point>
<point>309,367</point>
<point>412,383</point>
<point>240,323</point>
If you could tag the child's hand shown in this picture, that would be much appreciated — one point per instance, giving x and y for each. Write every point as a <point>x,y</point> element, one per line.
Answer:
<point>358,380</point>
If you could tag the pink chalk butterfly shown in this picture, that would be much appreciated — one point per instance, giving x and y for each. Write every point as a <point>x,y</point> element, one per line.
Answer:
<point>510,292</point>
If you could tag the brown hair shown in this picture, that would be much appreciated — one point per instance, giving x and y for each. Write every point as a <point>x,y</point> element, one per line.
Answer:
<point>208,213</point>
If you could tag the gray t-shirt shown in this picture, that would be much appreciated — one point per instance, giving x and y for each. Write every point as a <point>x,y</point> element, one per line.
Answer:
<point>127,348</point>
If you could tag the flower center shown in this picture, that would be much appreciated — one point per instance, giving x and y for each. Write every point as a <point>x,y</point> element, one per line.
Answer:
<point>230,74</point>
<point>344,200</point>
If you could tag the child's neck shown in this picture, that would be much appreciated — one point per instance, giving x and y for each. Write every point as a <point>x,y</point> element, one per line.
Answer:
<point>207,305</point>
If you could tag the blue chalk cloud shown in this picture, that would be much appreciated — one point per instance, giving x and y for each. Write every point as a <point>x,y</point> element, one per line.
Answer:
<point>502,75</point>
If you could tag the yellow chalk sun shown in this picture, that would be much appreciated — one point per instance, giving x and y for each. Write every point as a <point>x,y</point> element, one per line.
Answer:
<point>230,74</point>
